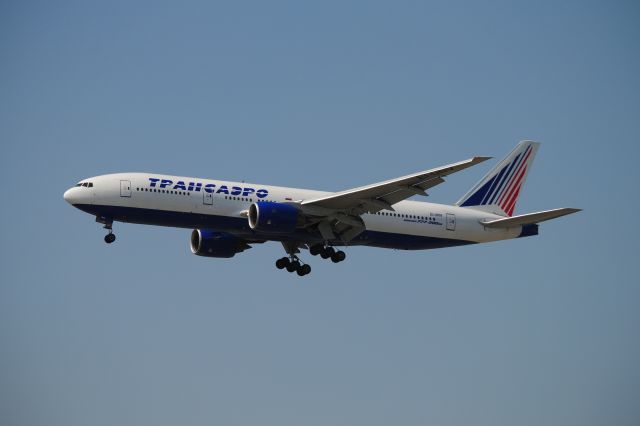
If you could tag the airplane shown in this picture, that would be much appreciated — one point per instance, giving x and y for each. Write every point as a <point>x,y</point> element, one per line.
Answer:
<point>227,218</point>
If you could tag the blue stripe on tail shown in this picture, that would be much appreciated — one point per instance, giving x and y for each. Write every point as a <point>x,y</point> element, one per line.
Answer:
<point>493,187</point>
<point>478,196</point>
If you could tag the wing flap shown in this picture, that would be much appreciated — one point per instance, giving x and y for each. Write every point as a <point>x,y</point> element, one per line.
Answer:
<point>530,218</point>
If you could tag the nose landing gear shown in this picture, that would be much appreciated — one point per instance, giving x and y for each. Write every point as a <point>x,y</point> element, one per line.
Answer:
<point>108,225</point>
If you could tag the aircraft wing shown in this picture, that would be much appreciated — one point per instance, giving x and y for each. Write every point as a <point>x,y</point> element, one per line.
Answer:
<point>383,195</point>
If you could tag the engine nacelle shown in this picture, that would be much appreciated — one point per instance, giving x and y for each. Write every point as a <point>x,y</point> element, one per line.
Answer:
<point>216,244</point>
<point>275,218</point>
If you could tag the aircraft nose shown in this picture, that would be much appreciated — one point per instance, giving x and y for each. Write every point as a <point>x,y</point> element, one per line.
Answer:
<point>71,196</point>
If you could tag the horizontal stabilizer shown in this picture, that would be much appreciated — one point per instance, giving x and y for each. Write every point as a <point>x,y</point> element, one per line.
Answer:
<point>527,219</point>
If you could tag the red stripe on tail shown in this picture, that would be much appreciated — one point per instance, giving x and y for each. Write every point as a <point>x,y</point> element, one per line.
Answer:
<point>513,193</point>
<point>513,182</point>
<point>510,208</point>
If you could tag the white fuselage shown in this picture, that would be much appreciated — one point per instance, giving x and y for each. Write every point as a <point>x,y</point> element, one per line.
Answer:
<point>222,206</point>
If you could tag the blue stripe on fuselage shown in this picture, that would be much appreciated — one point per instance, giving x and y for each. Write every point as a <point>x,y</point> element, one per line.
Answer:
<point>240,227</point>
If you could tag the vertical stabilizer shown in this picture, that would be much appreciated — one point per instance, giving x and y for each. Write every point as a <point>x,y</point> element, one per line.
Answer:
<point>498,191</point>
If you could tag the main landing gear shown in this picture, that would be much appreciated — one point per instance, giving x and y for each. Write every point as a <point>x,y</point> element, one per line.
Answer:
<point>328,252</point>
<point>293,264</point>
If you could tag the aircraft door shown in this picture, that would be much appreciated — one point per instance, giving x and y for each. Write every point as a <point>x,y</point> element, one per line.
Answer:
<point>125,188</point>
<point>451,222</point>
<point>207,198</point>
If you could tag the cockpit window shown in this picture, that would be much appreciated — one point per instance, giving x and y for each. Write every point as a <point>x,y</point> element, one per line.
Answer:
<point>90,184</point>
<point>85,184</point>
<point>78,184</point>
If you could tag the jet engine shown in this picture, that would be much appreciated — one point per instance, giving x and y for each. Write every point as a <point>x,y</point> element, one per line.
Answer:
<point>275,218</point>
<point>216,244</point>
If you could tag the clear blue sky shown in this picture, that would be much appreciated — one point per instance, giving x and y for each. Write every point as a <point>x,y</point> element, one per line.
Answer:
<point>329,95</point>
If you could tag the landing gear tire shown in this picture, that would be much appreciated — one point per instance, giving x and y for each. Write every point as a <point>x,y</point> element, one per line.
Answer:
<point>109,238</point>
<point>293,266</point>
<point>327,252</point>
<point>304,270</point>
<point>338,256</point>
<point>282,263</point>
